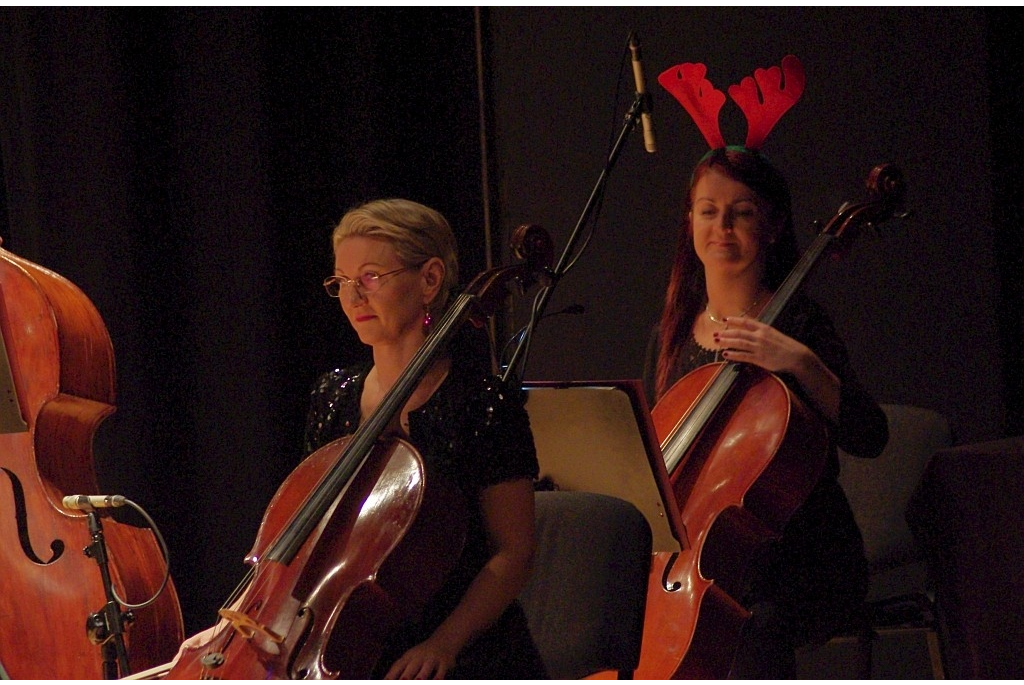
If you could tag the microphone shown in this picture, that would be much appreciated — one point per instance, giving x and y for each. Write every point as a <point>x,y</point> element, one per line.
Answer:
<point>641,91</point>
<point>90,502</point>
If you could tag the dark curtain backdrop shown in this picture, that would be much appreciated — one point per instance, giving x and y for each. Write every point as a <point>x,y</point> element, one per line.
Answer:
<point>185,168</point>
<point>1006,101</point>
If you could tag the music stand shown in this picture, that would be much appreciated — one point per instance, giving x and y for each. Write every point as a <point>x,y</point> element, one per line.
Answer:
<point>597,436</point>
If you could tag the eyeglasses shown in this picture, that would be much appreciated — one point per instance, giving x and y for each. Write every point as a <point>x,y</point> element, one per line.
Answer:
<point>366,283</point>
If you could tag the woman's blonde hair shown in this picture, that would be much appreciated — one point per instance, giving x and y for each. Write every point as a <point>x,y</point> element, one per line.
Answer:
<point>416,232</point>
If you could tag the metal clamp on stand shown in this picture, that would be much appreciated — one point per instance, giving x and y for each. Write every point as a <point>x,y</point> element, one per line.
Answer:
<point>106,627</point>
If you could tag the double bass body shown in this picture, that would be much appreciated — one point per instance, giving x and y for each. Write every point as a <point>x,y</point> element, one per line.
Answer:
<point>56,386</point>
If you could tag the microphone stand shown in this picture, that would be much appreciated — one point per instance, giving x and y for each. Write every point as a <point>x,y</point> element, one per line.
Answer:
<point>640,105</point>
<point>106,627</point>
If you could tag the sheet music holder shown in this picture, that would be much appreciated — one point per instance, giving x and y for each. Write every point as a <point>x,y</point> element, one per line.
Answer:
<point>597,436</point>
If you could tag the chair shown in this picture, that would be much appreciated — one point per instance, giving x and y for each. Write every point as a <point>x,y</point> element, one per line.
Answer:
<point>898,604</point>
<point>586,600</point>
<point>966,515</point>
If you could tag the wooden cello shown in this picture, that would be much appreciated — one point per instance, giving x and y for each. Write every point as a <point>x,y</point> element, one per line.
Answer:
<point>56,386</point>
<point>742,453</point>
<point>357,539</point>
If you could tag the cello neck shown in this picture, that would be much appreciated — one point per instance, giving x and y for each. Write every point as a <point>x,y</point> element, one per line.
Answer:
<point>795,279</point>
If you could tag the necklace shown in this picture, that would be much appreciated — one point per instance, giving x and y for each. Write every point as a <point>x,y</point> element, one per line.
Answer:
<point>722,322</point>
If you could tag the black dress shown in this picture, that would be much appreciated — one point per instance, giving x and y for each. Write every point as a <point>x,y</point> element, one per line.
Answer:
<point>474,433</point>
<point>815,579</point>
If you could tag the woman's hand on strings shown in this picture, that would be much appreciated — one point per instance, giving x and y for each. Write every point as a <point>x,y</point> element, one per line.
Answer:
<point>751,341</point>
<point>748,340</point>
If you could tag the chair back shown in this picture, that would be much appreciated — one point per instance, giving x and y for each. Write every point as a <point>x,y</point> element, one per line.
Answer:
<point>586,599</point>
<point>879,489</point>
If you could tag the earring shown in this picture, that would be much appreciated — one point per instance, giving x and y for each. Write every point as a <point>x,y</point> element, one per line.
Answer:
<point>427,320</point>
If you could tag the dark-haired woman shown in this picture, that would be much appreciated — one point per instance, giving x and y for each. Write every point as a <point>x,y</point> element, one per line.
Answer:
<point>736,247</point>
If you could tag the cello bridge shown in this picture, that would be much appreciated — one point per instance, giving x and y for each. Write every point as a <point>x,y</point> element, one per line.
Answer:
<point>248,628</point>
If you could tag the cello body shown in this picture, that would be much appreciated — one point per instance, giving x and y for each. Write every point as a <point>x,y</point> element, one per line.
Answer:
<point>754,464</point>
<point>56,386</point>
<point>381,552</point>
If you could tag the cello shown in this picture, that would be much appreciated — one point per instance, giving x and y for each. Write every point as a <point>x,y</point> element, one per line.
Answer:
<point>56,386</point>
<point>742,453</point>
<point>357,539</point>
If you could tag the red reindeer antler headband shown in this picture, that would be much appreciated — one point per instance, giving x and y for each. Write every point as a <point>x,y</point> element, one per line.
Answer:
<point>763,98</point>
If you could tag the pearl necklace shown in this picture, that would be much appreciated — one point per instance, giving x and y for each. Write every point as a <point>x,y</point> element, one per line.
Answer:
<point>722,322</point>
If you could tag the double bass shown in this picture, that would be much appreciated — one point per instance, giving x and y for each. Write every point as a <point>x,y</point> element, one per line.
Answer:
<point>357,539</point>
<point>742,453</point>
<point>56,386</point>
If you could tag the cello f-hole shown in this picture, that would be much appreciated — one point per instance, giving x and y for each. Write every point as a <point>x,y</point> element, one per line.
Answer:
<point>670,585</point>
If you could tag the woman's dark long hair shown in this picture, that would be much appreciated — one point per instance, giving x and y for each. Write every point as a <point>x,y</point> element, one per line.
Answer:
<point>686,295</point>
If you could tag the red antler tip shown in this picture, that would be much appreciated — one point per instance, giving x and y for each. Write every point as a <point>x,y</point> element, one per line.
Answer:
<point>767,96</point>
<point>695,93</point>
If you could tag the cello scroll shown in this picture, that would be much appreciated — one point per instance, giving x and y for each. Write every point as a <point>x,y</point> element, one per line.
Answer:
<point>886,190</point>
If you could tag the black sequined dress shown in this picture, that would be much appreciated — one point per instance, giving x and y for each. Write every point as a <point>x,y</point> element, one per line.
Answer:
<point>474,433</point>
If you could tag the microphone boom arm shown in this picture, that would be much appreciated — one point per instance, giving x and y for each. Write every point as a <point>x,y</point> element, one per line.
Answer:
<point>544,295</point>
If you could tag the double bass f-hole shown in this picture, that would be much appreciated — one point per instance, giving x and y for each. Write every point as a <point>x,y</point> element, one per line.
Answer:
<point>21,521</point>
<point>11,421</point>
